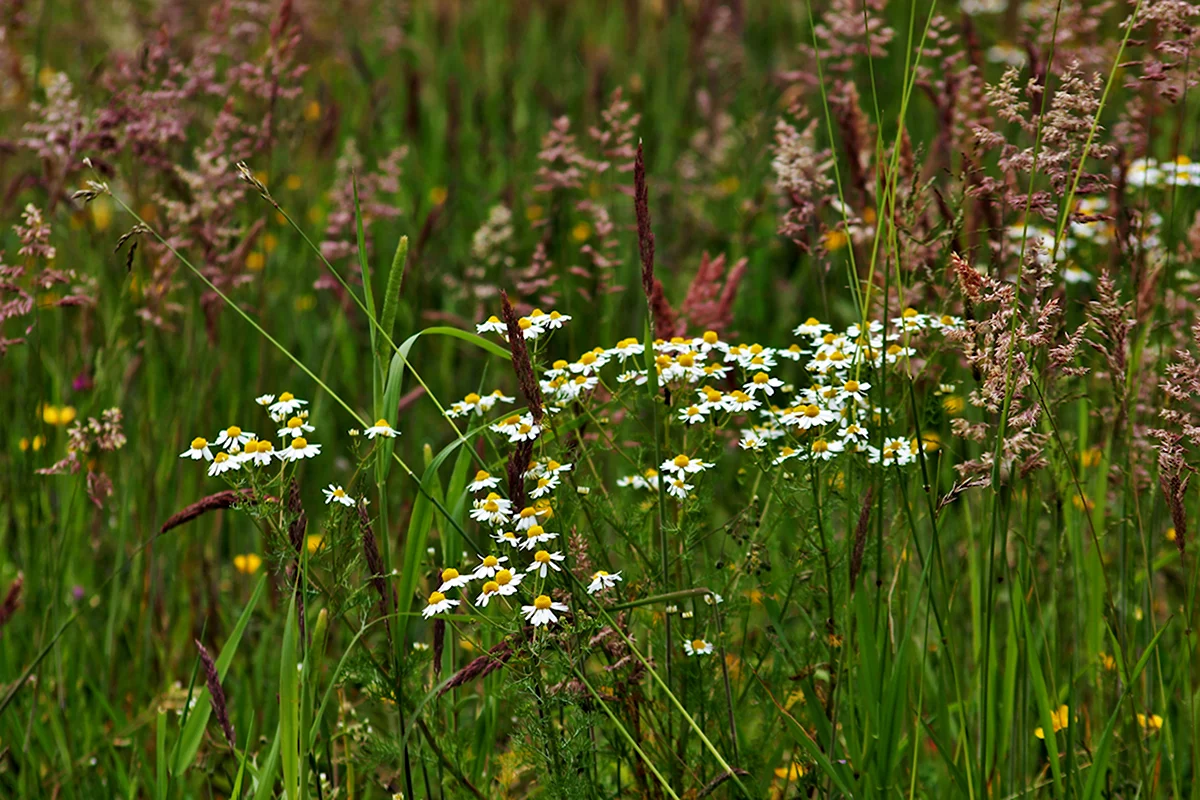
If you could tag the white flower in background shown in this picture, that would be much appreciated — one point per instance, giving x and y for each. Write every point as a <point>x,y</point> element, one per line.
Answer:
<point>483,480</point>
<point>692,415</point>
<point>233,437</point>
<point>258,452</point>
<point>785,454</point>
<point>222,462</point>
<point>812,327</point>
<point>493,509</point>
<point>810,416</point>
<point>679,488</point>
<point>488,565</point>
<point>296,427</point>
<point>535,535</point>
<point>602,580</point>
<point>1076,275</point>
<point>543,560</point>
<point>198,450</point>
<point>698,647</point>
<point>265,399</point>
<point>508,581</point>
<point>762,382</point>
<point>714,599</point>
<point>336,494</point>
<point>542,611</point>
<point>288,403</point>
<point>507,537</point>
<point>300,449</point>
<point>490,589</point>
<point>545,485</point>
<point>627,347</point>
<point>493,325</point>
<point>438,603</point>
<point>825,450</point>
<point>738,401</point>
<point>380,428</point>
<point>638,376</point>
<point>684,465</point>
<point>452,579</point>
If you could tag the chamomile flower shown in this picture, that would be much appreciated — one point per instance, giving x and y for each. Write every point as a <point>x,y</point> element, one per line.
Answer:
<point>493,325</point>
<point>812,327</point>
<point>265,399</point>
<point>438,603</point>
<point>692,415</point>
<point>637,376</point>
<point>762,382</point>
<point>233,437</point>
<point>296,427</point>
<point>542,611</point>
<point>518,428</point>
<point>812,416</point>
<point>300,449</point>
<point>258,452</point>
<point>824,450</point>
<point>490,590</point>
<point>526,518</point>
<point>336,494</point>
<point>647,480</point>
<point>602,580</point>
<point>223,462</point>
<point>493,509</point>
<point>853,432</point>
<point>543,560</point>
<point>854,390</point>
<point>452,579</point>
<point>555,320</point>
<point>684,465</point>
<point>483,480</point>
<point>679,488</point>
<point>381,428</point>
<point>545,485</point>
<point>785,454</point>
<point>698,647</point>
<point>627,347</point>
<point>198,450</point>
<point>752,440</point>
<point>287,403</point>
<point>507,537</point>
<point>508,581</point>
<point>535,535</point>
<point>590,362</point>
<point>488,565</point>
<point>739,401</point>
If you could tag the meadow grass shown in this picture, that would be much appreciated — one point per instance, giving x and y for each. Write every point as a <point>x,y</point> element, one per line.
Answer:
<point>831,368</point>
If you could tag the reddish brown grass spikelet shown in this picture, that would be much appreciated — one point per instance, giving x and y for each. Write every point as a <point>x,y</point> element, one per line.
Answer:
<point>375,565</point>
<point>12,601</point>
<point>216,694</point>
<point>214,502</point>
<point>860,537</point>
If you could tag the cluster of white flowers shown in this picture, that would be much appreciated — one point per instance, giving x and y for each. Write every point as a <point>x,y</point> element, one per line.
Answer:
<point>1147,172</point>
<point>240,448</point>
<point>477,404</point>
<point>537,323</point>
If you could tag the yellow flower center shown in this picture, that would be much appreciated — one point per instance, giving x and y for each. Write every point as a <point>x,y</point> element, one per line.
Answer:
<point>299,443</point>
<point>524,428</point>
<point>599,574</point>
<point>513,420</point>
<point>693,411</point>
<point>382,423</point>
<point>541,602</point>
<point>711,337</point>
<point>553,465</point>
<point>449,574</point>
<point>339,492</point>
<point>491,587</point>
<point>698,644</point>
<point>761,377</point>
<point>811,321</point>
<point>560,364</point>
<point>199,443</point>
<point>681,461</point>
<point>286,397</point>
<point>851,386</point>
<point>820,446</point>
<point>812,411</point>
<point>543,483</point>
<point>686,360</point>
<point>740,396</point>
<point>894,349</point>
<point>528,512</point>
<point>542,557</point>
<point>472,398</point>
<point>535,531</point>
<point>482,475</point>
<point>233,431</point>
<point>493,319</point>
<point>295,422</point>
<point>221,458</point>
<point>436,597</point>
<point>587,359</point>
<point>490,561</point>
<point>524,324</point>
<point>504,577</point>
<point>909,313</point>
<point>537,312</point>
<point>491,506</point>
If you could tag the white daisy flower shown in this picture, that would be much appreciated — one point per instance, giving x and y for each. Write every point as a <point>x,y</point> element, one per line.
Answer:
<point>483,480</point>
<point>529,328</point>
<point>526,518</point>
<point>300,449</point>
<point>265,399</point>
<point>336,494</point>
<point>545,485</point>
<point>683,464</point>
<point>508,581</point>
<point>853,432</point>
<point>739,401</point>
<point>535,535</point>
<point>555,320</point>
<point>488,565</point>
<point>811,327</point>
<point>647,480</point>
<point>638,376</point>
<point>507,537</point>
<point>825,450</point>
<point>785,454</point>
<point>1076,275</point>
<point>295,427</point>
<point>493,509</point>
<point>692,415</point>
<point>258,452</point>
<point>714,599</point>
<point>222,462</point>
<point>590,362</point>
<point>751,440</point>
<point>288,403</point>
<point>715,371</point>
<point>232,438</point>
<point>679,488</point>
<point>543,560</point>
<point>198,450</point>
<point>793,353</point>
<point>762,382</point>
<point>812,416</point>
<point>438,603</point>
<point>493,325</point>
<point>542,611</point>
<point>452,579</point>
<point>602,580</point>
<point>490,590</point>
<point>381,428</point>
<point>628,347</point>
<point>489,400</point>
<point>855,390</point>
<point>698,647</point>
